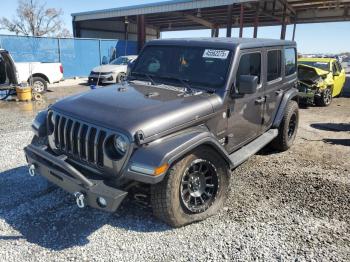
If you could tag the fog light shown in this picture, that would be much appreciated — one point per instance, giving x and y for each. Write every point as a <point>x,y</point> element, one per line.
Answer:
<point>101,202</point>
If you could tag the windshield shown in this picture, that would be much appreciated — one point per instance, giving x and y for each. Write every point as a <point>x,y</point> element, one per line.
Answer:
<point>122,60</point>
<point>320,65</point>
<point>195,66</point>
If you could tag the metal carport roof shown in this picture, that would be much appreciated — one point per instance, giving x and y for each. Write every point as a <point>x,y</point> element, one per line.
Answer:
<point>147,20</point>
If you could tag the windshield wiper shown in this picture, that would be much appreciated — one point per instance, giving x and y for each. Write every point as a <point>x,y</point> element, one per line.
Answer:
<point>146,75</point>
<point>184,82</point>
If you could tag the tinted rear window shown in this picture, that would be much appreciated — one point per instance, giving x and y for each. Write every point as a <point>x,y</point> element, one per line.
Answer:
<point>290,57</point>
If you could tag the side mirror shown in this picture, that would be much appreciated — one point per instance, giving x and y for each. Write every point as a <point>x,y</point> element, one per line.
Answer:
<point>130,66</point>
<point>104,60</point>
<point>247,84</point>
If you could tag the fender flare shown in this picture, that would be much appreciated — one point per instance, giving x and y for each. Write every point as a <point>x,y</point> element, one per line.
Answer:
<point>39,124</point>
<point>170,149</point>
<point>291,94</point>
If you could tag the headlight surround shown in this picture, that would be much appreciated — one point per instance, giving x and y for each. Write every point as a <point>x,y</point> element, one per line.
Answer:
<point>120,144</point>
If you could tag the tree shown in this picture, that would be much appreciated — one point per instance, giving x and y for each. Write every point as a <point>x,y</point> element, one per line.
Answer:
<point>34,19</point>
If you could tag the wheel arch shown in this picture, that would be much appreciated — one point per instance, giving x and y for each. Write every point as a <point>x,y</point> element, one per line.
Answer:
<point>290,95</point>
<point>39,75</point>
<point>170,150</point>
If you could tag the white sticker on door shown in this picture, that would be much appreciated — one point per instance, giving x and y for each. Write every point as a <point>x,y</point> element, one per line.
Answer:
<point>212,53</point>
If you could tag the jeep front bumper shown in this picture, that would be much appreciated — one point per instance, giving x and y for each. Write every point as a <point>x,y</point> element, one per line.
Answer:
<point>91,191</point>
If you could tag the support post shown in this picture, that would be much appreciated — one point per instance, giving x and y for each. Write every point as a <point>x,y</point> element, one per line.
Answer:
<point>76,29</point>
<point>59,49</point>
<point>229,21</point>
<point>141,32</point>
<point>241,21</point>
<point>294,27</point>
<point>284,26</point>
<point>126,33</point>
<point>256,20</point>
<point>215,31</point>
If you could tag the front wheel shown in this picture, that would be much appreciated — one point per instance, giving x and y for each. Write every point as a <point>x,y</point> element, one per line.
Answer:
<point>325,99</point>
<point>120,77</point>
<point>287,130</point>
<point>193,189</point>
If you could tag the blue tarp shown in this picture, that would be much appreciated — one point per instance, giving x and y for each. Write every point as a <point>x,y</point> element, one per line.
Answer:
<point>78,56</point>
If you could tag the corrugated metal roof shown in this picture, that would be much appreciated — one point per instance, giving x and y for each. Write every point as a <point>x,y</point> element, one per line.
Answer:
<point>158,7</point>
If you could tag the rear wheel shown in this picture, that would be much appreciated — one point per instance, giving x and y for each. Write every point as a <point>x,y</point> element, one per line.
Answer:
<point>325,99</point>
<point>194,189</point>
<point>288,128</point>
<point>39,85</point>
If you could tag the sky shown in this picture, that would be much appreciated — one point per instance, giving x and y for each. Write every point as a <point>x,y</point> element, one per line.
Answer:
<point>311,38</point>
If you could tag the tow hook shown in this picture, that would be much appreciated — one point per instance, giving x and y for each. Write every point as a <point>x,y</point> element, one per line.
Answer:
<point>31,170</point>
<point>80,199</point>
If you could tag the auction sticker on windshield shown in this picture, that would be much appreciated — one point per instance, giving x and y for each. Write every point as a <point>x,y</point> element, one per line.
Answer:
<point>212,53</point>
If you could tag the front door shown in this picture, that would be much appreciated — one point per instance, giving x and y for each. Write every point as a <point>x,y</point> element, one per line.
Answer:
<point>245,117</point>
<point>338,77</point>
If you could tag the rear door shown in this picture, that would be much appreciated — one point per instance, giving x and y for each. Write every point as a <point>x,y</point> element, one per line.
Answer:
<point>273,84</point>
<point>280,76</point>
<point>244,122</point>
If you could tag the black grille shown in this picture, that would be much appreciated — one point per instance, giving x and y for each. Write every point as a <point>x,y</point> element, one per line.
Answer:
<point>79,139</point>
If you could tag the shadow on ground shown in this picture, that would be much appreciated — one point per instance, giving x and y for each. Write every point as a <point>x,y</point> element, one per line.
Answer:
<point>335,127</point>
<point>47,216</point>
<point>342,142</point>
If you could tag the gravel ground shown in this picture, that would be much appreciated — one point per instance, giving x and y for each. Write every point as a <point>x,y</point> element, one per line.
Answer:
<point>282,206</point>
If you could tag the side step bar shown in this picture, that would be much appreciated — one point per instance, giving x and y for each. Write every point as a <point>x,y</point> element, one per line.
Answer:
<point>241,155</point>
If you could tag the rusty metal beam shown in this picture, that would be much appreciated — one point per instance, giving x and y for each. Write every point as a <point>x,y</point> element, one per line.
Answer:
<point>229,21</point>
<point>241,21</point>
<point>284,26</point>
<point>294,27</point>
<point>141,32</point>
<point>289,7</point>
<point>256,20</point>
<point>196,19</point>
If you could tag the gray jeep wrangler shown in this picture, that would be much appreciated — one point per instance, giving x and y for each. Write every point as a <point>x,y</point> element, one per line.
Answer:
<point>189,112</point>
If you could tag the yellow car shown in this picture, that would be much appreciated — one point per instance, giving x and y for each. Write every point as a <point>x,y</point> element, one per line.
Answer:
<point>320,79</point>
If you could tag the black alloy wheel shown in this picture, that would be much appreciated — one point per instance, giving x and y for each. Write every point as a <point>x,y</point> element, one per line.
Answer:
<point>199,186</point>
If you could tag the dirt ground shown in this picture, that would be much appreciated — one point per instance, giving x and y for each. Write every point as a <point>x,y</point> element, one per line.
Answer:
<point>282,206</point>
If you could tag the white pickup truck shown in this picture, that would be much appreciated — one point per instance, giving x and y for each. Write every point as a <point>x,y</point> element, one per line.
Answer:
<point>37,74</point>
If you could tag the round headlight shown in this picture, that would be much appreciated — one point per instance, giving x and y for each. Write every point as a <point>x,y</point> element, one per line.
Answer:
<point>120,144</point>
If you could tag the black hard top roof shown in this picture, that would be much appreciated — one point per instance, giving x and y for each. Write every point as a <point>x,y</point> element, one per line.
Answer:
<point>223,42</point>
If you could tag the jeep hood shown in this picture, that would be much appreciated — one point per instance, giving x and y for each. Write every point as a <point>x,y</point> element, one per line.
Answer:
<point>133,107</point>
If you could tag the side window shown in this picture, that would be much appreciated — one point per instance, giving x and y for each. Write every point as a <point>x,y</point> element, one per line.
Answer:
<point>290,61</point>
<point>250,64</point>
<point>334,68</point>
<point>339,67</point>
<point>3,75</point>
<point>273,65</point>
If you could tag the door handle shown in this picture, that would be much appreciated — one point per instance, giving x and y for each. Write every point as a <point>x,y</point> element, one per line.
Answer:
<point>279,91</point>
<point>260,100</point>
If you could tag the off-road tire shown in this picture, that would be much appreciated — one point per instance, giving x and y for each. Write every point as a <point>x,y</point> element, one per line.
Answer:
<point>284,141</point>
<point>166,198</point>
<point>325,99</point>
<point>40,81</point>
<point>120,77</point>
